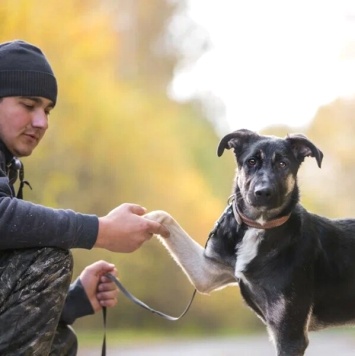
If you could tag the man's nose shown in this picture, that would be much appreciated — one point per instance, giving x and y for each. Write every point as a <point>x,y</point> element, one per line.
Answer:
<point>40,119</point>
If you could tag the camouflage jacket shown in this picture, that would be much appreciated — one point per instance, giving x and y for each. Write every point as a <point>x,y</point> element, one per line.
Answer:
<point>26,225</point>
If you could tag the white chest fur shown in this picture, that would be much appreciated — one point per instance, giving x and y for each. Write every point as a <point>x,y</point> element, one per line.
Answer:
<point>247,250</point>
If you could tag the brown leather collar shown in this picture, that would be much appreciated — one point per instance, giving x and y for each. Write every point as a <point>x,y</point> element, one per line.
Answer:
<point>241,218</point>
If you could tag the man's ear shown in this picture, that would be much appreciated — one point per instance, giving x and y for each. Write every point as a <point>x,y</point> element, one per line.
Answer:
<point>236,140</point>
<point>302,148</point>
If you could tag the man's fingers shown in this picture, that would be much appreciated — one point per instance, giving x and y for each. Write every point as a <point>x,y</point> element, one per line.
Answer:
<point>107,298</point>
<point>137,209</point>
<point>107,286</point>
<point>101,266</point>
<point>103,277</point>
<point>158,229</point>
<point>109,303</point>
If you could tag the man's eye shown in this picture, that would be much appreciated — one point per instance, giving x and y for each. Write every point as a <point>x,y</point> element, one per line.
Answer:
<point>28,105</point>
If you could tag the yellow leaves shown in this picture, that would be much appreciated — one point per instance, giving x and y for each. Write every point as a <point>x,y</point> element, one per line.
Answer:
<point>115,138</point>
<point>54,186</point>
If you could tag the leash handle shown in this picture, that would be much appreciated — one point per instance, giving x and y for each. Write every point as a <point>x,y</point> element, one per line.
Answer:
<point>135,300</point>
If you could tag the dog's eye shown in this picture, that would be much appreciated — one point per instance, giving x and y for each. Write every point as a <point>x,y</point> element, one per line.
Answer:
<point>282,164</point>
<point>251,162</point>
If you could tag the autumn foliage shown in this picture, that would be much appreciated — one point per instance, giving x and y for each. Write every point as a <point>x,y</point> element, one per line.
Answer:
<point>115,136</point>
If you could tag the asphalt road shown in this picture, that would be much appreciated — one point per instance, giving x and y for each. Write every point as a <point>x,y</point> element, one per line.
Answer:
<point>321,344</point>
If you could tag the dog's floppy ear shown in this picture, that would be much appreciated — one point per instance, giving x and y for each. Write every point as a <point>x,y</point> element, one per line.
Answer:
<point>236,140</point>
<point>302,148</point>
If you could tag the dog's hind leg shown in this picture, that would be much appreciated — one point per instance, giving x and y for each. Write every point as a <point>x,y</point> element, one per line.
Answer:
<point>204,273</point>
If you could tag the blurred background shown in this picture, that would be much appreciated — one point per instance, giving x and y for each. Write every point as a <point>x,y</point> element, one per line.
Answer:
<point>146,90</point>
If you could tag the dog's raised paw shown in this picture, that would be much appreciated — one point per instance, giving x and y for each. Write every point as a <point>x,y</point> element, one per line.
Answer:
<point>160,216</point>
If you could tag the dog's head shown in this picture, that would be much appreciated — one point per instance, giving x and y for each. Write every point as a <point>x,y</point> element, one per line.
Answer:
<point>267,169</point>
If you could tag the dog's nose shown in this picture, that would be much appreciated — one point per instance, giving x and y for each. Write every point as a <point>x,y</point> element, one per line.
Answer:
<point>263,192</point>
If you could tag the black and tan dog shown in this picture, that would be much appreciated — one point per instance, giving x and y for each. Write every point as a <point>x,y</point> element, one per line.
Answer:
<point>296,270</point>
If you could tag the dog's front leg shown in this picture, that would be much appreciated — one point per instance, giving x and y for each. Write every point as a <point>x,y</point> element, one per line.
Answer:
<point>291,343</point>
<point>288,328</point>
<point>204,273</point>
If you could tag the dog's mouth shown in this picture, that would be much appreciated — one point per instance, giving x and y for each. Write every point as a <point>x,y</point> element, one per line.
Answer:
<point>262,203</point>
<point>256,207</point>
<point>261,199</point>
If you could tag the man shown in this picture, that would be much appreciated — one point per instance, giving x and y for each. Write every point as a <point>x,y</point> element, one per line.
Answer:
<point>35,262</point>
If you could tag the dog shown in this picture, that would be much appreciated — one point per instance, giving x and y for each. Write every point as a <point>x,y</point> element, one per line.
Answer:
<point>295,269</point>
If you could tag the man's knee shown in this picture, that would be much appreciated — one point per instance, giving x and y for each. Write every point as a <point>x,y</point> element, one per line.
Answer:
<point>34,270</point>
<point>34,284</point>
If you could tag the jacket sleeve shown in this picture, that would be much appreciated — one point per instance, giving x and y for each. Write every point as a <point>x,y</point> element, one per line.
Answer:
<point>26,225</point>
<point>76,304</point>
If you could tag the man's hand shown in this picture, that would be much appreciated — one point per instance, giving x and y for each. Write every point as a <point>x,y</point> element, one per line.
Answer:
<point>100,290</point>
<point>124,229</point>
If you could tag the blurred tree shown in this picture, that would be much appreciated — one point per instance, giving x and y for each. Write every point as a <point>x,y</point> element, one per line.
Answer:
<point>115,136</point>
<point>331,188</point>
<point>155,41</point>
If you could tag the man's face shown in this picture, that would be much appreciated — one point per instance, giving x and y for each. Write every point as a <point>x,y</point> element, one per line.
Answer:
<point>23,122</point>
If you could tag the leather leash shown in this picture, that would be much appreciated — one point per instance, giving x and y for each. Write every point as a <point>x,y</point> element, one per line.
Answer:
<point>135,300</point>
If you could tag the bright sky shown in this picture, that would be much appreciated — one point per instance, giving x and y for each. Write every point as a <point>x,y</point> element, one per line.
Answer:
<point>273,61</point>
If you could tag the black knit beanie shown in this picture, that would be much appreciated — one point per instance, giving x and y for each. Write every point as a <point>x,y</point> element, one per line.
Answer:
<point>25,71</point>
